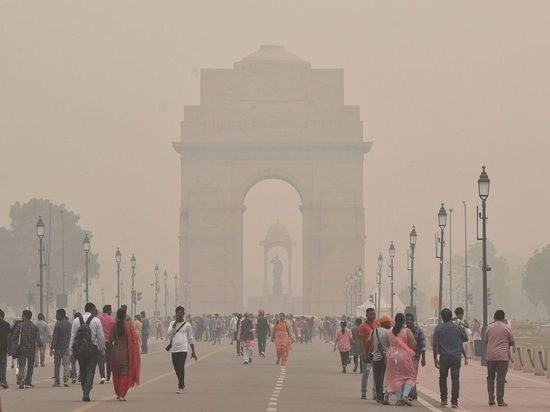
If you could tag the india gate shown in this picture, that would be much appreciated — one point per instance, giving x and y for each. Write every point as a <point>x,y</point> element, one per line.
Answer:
<point>271,116</point>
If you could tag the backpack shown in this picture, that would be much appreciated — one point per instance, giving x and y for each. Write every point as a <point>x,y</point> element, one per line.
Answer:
<point>83,347</point>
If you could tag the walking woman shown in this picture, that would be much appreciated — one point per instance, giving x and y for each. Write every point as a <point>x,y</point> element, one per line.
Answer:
<point>246,337</point>
<point>282,338</point>
<point>343,342</point>
<point>400,366</point>
<point>125,361</point>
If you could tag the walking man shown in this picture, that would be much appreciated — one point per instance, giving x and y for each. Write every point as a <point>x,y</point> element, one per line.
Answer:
<point>104,361</point>
<point>380,341</point>
<point>448,339</point>
<point>366,349</point>
<point>27,338</point>
<point>59,348</point>
<point>498,338</point>
<point>5,334</point>
<point>145,331</point>
<point>44,332</point>
<point>420,351</point>
<point>180,333</point>
<point>217,329</point>
<point>86,345</point>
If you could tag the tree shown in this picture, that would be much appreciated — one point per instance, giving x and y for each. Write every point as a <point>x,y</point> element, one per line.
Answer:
<point>19,258</point>
<point>536,278</point>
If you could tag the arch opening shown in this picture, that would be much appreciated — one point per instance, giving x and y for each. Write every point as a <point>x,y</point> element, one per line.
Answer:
<point>272,246</point>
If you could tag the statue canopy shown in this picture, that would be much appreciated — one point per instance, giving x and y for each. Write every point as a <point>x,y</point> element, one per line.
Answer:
<point>277,235</point>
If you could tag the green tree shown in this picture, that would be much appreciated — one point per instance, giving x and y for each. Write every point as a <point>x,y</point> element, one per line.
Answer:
<point>536,278</point>
<point>19,257</point>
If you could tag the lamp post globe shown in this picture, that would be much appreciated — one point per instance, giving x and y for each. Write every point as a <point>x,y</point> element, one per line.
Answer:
<point>133,262</point>
<point>86,244</point>
<point>483,184</point>
<point>118,256</point>
<point>392,250</point>
<point>156,270</point>
<point>40,227</point>
<point>118,259</point>
<point>412,237</point>
<point>442,217</point>
<point>380,260</point>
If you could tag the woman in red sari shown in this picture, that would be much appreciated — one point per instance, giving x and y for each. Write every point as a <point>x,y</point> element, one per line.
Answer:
<point>126,355</point>
<point>282,338</point>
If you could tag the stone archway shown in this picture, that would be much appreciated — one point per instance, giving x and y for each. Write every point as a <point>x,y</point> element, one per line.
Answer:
<point>271,117</point>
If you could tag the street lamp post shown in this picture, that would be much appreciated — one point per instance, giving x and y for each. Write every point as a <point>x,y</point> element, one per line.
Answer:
<point>466,297</point>
<point>86,251</point>
<point>133,292</point>
<point>346,291</point>
<point>442,221</point>
<point>360,276</point>
<point>412,243</point>
<point>483,184</point>
<point>165,293</point>
<point>380,263</point>
<point>118,258</point>
<point>392,256</point>
<point>451,258</point>
<point>40,234</point>
<point>176,290</point>
<point>157,290</point>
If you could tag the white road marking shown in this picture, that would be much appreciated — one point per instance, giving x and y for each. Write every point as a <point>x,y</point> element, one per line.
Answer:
<point>434,396</point>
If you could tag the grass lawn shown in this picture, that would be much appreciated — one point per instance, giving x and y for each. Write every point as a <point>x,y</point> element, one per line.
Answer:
<point>528,340</point>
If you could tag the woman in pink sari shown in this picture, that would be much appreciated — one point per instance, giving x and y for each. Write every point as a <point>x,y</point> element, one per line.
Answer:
<point>125,361</point>
<point>282,338</point>
<point>400,367</point>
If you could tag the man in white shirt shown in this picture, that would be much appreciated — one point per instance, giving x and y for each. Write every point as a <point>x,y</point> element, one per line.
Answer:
<point>88,364</point>
<point>180,334</point>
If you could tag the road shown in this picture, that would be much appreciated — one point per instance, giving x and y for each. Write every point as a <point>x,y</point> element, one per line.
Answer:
<point>219,381</point>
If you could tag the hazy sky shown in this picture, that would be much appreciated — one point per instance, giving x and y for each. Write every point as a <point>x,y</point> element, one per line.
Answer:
<point>92,93</point>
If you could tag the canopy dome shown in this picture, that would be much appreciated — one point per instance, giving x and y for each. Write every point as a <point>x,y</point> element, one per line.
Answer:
<point>277,234</point>
<point>272,55</point>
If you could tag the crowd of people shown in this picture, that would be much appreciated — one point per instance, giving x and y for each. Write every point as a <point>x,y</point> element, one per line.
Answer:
<point>393,349</point>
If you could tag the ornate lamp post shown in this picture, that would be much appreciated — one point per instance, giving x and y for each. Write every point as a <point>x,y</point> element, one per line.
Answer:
<point>165,293</point>
<point>451,258</point>
<point>466,295</point>
<point>118,258</point>
<point>392,256</point>
<point>133,292</point>
<point>157,290</point>
<point>86,251</point>
<point>176,289</point>
<point>442,221</point>
<point>379,282</point>
<point>40,234</point>
<point>483,184</point>
<point>360,276</point>
<point>412,244</point>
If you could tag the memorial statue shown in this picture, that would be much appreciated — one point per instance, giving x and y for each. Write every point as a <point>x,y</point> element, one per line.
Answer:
<point>277,276</point>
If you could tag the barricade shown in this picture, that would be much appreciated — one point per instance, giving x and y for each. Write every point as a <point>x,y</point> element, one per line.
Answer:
<point>517,360</point>
<point>528,361</point>
<point>540,361</point>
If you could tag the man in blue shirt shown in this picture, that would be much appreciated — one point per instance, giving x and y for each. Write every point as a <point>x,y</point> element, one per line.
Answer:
<point>448,338</point>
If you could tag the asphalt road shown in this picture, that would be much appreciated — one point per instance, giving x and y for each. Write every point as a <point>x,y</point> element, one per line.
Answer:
<point>218,381</point>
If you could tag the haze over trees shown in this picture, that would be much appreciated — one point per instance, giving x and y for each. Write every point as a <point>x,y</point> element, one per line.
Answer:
<point>536,278</point>
<point>19,258</point>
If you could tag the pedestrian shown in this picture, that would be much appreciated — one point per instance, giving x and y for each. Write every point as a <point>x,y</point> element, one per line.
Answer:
<point>138,327</point>
<point>400,368</point>
<point>420,350</point>
<point>44,332</point>
<point>86,345</point>
<point>380,343</point>
<point>459,318</point>
<point>282,338</point>
<point>27,338</point>
<point>246,337</point>
<point>5,335</point>
<point>180,333</point>
<point>356,346</point>
<point>125,361</point>
<point>366,350</point>
<point>217,329</point>
<point>104,362</point>
<point>237,327</point>
<point>448,339</point>
<point>74,373</point>
<point>262,332</point>
<point>145,331</point>
<point>343,342</point>
<point>498,338</point>
<point>59,348</point>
